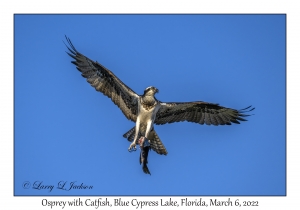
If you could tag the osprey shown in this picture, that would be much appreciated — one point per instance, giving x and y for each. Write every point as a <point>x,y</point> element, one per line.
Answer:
<point>145,110</point>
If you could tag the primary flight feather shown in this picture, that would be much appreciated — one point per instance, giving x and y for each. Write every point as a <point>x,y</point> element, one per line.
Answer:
<point>145,110</point>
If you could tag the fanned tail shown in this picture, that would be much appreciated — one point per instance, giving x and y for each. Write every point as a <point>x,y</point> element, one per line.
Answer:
<point>156,143</point>
<point>129,135</point>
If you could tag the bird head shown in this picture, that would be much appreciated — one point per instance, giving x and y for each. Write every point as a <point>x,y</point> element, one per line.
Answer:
<point>150,91</point>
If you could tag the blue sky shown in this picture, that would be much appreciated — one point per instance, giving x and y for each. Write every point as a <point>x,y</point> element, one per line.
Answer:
<point>66,131</point>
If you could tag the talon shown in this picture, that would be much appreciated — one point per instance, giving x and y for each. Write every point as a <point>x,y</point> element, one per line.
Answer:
<point>132,147</point>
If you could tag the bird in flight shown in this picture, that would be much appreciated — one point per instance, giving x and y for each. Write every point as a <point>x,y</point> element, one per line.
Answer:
<point>145,110</point>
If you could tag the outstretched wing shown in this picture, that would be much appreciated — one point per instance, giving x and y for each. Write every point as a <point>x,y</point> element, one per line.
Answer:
<point>105,81</point>
<point>199,112</point>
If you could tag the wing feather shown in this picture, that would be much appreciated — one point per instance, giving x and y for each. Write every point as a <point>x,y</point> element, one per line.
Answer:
<point>104,81</point>
<point>207,118</point>
<point>219,120</point>
<point>199,112</point>
<point>202,118</point>
<point>213,119</point>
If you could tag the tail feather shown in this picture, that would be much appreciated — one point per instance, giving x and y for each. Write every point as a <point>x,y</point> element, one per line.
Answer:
<point>129,135</point>
<point>156,143</point>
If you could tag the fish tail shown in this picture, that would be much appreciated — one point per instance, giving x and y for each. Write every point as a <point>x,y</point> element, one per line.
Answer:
<point>144,159</point>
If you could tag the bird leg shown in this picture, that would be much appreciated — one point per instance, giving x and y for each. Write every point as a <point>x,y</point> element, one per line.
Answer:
<point>149,126</point>
<point>132,147</point>
<point>143,142</point>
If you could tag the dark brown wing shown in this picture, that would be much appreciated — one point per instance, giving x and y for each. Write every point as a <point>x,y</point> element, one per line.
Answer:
<point>105,81</point>
<point>199,112</point>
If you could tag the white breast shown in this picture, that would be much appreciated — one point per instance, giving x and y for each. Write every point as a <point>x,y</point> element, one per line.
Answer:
<point>148,115</point>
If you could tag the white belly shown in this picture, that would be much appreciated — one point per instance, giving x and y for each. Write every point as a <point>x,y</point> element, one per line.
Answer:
<point>146,117</point>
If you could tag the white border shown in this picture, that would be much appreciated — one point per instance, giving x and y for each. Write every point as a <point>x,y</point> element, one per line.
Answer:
<point>8,201</point>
